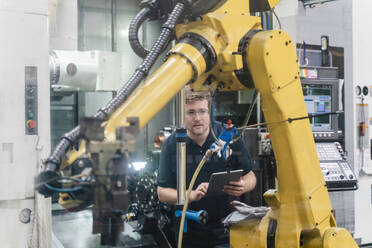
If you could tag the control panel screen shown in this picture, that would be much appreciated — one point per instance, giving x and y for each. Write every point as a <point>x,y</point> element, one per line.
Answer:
<point>318,100</point>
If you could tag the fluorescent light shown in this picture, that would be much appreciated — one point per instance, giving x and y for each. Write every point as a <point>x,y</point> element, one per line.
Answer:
<point>138,165</point>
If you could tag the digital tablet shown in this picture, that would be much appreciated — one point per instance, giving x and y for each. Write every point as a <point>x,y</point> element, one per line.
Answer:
<point>219,179</point>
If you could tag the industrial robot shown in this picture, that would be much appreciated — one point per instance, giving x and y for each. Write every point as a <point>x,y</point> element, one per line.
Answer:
<point>220,44</point>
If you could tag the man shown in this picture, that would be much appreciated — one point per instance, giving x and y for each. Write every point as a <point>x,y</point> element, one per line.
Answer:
<point>199,139</point>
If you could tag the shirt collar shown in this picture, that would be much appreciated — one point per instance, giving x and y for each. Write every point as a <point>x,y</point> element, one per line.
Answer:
<point>207,142</point>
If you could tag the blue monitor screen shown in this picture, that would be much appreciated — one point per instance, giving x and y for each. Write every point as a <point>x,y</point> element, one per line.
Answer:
<point>318,100</point>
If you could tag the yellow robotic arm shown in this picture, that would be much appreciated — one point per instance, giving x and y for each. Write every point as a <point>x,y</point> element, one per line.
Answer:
<point>207,54</point>
<point>227,48</point>
<point>301,213</point>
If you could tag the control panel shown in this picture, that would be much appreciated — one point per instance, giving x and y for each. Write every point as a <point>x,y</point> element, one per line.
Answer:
<point>336,171</point>
<point>31,100</point>
<point>321,86</point>
<point>325,135</point>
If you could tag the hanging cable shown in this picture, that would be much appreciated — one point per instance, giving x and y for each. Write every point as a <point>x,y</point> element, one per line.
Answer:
<point>302,60</point>
<point>134,26</point>
<point>277,18</point>
<point>212,108</point>
<point>63,190</point>
<point>248,116</point>
<point>54,160</point>
<point>208,154</point>
<point>290,120</point>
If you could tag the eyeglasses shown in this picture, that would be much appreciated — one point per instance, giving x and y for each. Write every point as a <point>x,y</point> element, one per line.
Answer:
<point>201,112</point>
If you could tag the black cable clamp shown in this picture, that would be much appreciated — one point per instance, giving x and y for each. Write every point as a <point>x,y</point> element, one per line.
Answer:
<point>144,69</point>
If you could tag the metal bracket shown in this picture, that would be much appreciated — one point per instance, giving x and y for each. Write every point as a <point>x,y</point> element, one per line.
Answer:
<point>130,132</point>
<point>91,128</point>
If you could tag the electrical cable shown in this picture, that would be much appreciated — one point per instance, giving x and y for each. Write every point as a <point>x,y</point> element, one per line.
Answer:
<point>134,26</point>
<point>53,162</point>
<point>277,18</point>
<point>305,60</point>
<point>207,154</point>
<point>246,120</point>
<point>366,245</point>
<point>61,178</point>
<point>289,120</point>
<point>46,182</point>
<point>212,108</point>
<point>213,122</point>
<point>63,190</point>
<point>71,179</point>
<point>247,117</point>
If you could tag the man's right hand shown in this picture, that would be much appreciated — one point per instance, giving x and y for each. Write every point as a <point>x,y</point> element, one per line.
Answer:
<point>199,192</point>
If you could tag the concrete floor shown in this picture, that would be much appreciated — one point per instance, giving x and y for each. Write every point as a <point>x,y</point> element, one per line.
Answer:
<point>74,230</point>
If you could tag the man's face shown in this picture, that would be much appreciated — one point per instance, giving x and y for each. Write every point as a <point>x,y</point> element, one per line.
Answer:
<point>197,117</point>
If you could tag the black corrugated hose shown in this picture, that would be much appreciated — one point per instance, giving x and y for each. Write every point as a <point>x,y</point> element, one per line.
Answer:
<point>53,162</point>
<point>134,26</point>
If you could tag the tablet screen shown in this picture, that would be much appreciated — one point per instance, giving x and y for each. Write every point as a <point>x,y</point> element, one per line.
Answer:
<point>219,179</point>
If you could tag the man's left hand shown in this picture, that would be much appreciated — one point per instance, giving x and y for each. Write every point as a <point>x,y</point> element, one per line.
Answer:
<point>235,188</point>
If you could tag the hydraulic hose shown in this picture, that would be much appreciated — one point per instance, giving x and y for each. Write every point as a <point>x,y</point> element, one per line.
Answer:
<point>207,154</point>
<point>146,65</point>
<point>134,26</point>
<point>54,160</point>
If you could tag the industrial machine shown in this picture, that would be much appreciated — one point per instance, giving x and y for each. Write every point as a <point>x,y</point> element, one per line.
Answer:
<point>336,171</point>
<point>85,71</point>
<point>25,124</point>
<point>321,93</point>
<point>220,45</point>
<point>321,88</point>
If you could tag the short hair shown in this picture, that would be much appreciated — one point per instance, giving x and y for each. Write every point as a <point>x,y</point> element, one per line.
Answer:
<point>192,96</point>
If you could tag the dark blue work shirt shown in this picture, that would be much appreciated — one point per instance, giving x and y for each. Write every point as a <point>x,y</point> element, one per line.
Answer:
<point>218,206</point>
